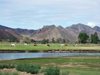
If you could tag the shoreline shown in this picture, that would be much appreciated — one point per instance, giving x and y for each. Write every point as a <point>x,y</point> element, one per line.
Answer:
<point>51,51</point>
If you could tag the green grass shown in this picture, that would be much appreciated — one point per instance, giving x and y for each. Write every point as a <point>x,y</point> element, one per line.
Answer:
<point>90,65</point>
<point>7,46</point>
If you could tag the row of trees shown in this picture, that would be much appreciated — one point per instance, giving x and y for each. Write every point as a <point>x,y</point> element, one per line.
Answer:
<point>84,38</point>
<point>23,40</point>
<point>9,40</point>
<point>44,41</point>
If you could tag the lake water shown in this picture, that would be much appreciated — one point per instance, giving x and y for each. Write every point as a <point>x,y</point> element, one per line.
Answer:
<point>39,55</point>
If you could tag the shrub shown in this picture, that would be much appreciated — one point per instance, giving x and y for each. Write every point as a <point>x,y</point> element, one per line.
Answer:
<point>7,66</point>
<point>33,69</point>
<point>52,71</point>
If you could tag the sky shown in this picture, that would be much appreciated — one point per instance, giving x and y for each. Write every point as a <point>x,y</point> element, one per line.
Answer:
<point>34,14</point>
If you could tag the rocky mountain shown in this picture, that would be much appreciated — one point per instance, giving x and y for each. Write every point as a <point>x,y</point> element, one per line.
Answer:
<point>49,32</point>
<point>9,34</point>
<point>79,28</point>
<point>4,27</point>
<point>24,31</point>
<point>97,28</point>
<point>15,34</point>
<point>69,33</point>
<point>18,30</point>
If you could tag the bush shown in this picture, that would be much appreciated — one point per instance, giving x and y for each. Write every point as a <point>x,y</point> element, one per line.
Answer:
<point>52,71</point>
<point>33,69</point>
<point>7,66</point>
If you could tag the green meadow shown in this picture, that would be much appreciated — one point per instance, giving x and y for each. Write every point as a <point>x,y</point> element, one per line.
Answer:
<point>7,46</point>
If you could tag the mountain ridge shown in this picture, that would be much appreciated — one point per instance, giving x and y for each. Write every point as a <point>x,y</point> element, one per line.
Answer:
<point>19,30</point>
<point>69,33</point>
<point>57,32</point>
<point>9,34</point>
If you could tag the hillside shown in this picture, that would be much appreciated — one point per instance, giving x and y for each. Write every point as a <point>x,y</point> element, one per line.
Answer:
<point>9,34</point>
<point>78,28</point>
<point>18,30</point>
<point>15,34</point>
<point>97,28</point>
<point>49,32</point>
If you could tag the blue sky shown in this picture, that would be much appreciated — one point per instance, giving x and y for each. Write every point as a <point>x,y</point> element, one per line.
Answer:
<point>34,14</point>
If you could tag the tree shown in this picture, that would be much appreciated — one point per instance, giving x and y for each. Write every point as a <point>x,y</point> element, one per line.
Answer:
<point>17,41</point>
<point>26,40</point>
<point>64,40</point>
<point>44,41</point>
<point>94,38</point>
<point>33,40</point>
<point>47,41</point>
<point>53,41</point>
<point>82,37</point>
<point>57,40</point>
<point>0,40</point>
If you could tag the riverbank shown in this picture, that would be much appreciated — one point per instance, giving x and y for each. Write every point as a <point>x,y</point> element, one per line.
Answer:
<point>50,51</point>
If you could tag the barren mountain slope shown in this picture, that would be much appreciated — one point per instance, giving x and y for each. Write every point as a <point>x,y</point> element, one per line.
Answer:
<point>78,28</point>
<point>6,35</point>
<point>49,32</point>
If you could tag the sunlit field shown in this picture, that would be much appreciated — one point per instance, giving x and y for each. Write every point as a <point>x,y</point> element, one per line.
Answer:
<point>7,46</point>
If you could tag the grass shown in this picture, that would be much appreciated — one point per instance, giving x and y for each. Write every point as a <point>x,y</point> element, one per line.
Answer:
<point>74,65</point>
<point>77,65</point>
<point>7,46</point>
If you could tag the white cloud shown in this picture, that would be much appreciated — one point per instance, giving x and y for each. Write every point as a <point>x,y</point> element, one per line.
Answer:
<point>40,12</point>
<point>92,24</point>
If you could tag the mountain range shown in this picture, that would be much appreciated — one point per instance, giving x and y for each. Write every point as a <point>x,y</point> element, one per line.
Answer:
<point>51,31</point>
<point>9,34</point>
<point>18,30</point>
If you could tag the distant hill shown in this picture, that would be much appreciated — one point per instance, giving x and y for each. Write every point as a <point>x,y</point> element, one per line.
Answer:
<point>15,34</point>
<point>9,34</point>
<point>24,31</point>
<point>18,30</point>
<point>4,27</point>
<point>97,28</point>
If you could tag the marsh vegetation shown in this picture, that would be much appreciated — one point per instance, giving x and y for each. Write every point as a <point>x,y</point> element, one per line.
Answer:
<point>72,65</point>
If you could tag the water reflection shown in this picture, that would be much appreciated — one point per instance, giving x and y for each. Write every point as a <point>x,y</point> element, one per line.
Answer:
<point>39,55</point>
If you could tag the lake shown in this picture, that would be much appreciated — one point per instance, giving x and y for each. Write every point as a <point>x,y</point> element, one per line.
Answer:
<point>39,55</point>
